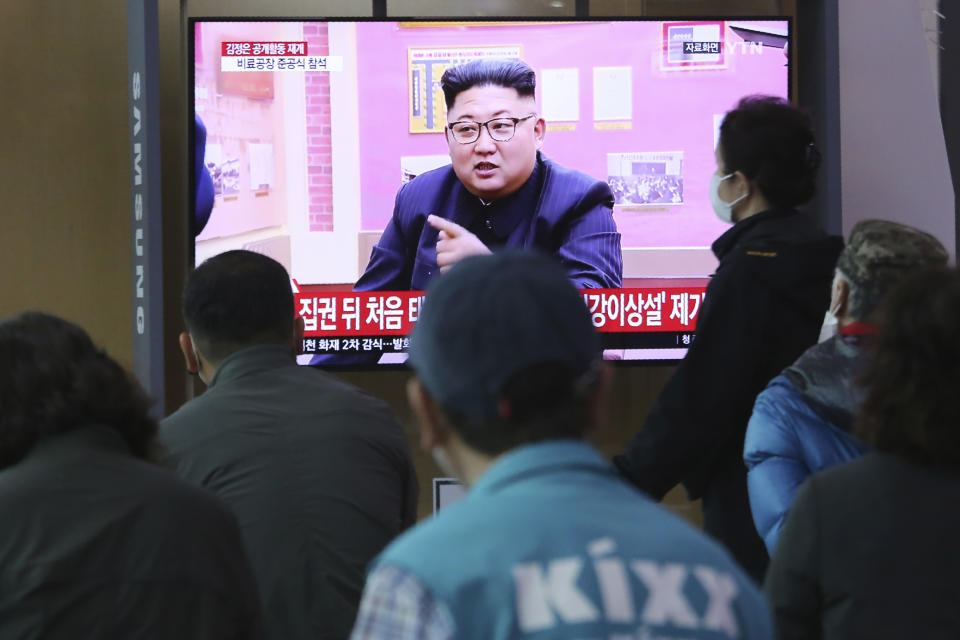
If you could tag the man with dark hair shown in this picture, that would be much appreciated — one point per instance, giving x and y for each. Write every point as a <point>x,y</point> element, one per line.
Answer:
<point>869,547</point>
<point>98,541</point>
<point>802,421</point>
<point>549,541</point>
<point>318,472</point>
<point>500,191</point>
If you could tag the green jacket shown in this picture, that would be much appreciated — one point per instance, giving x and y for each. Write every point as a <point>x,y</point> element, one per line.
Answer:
<point>96,544</point>
<point>317,472</point>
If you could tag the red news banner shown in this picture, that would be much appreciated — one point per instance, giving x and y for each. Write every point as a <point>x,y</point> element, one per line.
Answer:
<point>380,320</point>
<point>245,49</point>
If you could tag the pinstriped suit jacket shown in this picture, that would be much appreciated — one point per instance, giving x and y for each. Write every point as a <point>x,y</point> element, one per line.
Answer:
<point>573,220</point>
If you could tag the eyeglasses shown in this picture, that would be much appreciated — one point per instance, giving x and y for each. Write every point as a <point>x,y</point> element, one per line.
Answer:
<point>500,129</point>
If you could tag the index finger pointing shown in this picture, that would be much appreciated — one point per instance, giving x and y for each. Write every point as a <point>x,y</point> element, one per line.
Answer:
<point>452,228</point>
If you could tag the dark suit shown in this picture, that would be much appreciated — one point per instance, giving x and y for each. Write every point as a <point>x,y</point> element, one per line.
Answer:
<point>559,211</point>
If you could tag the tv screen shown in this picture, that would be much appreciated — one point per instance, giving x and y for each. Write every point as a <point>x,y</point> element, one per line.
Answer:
<point>307,129</point>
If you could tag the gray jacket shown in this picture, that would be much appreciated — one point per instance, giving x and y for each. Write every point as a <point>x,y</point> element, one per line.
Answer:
<point>317,472</point>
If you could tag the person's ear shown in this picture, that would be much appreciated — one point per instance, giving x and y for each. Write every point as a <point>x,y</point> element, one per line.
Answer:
<point>741,183</point>
<point>451,143</point>
<point>298,329</point>
<point>842,304</point>
<point>189,355</point>
<point>597,401</point>
<point>540,131</point>
<point>433,431</point>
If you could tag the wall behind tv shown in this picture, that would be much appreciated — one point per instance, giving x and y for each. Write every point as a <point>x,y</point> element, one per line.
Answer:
<point>894,156</point>
<point>65,185</point>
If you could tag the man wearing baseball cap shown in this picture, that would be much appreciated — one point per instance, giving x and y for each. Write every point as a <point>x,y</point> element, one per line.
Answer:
<point>801,423</point>
<point>549,540</point>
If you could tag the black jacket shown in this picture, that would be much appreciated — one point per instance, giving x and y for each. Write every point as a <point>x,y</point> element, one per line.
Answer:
<point>96,544</point>
<point>869,550</point>
<point>764,306</point>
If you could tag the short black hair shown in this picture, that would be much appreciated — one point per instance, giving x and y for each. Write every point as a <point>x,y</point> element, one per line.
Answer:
<point>547,402</point>
<point>772,143</point>
<point>913,374</point>
<point>53,379</point>
<point>236,300</point>
<point>513,74</point>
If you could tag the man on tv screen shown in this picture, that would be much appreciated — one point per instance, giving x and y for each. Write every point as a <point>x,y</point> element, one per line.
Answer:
<point>500,191</point>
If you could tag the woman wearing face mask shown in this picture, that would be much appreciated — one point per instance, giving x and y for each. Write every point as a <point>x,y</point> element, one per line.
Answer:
<point>763,307</point>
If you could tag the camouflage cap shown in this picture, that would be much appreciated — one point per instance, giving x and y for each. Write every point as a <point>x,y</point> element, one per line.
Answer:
<point>880,252</point>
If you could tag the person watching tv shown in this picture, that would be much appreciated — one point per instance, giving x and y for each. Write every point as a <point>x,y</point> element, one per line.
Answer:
<point>100,541</point>
<point>869,547</point>
<point>549,541</point>
<point>802,422</point>
<point>318,472</point>
<point>763,307</point>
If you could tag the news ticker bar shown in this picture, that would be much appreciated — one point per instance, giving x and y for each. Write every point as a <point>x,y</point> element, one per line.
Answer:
<point>380,345</point>
<point>392,314</point>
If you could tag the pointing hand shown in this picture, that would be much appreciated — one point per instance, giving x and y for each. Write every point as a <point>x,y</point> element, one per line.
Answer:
<point>454,243</point>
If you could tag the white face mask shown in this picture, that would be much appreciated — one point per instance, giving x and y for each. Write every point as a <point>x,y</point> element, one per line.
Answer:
<point>723,209</point>
<point>830,325</point>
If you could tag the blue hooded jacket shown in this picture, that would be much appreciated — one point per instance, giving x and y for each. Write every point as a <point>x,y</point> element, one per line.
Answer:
<point>801,424</point>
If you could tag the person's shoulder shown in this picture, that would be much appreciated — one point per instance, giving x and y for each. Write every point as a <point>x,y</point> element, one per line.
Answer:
<point>834,491</point>
<point>665,542</point>
<point>500,532</point>
<point>193,422</point>
<point>490,520</point>
<point>705,561</point>
<point>340,395</point>
<point>781,398</point>
<point>568,190</point>
<point>790,410</point>
<point>668,538</point>
<point>159,485</point>
<point>429,183</point>
<point>858,470</point>
<point>424,194</point>
<point>770,410</point>
<point>785,251</point>
<point>780,388</point>
<point>210,547</point>
<point>558,174</point>
<point>291,395</point>
<point>205,427</point>
<point>615,508</point>
<point>437,541</point>
<point>164,495</point>
<point>790,233</point>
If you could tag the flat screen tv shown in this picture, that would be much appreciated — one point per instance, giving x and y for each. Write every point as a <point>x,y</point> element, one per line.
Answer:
<point>312,126</point>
